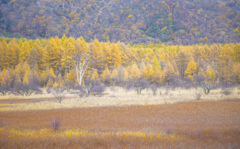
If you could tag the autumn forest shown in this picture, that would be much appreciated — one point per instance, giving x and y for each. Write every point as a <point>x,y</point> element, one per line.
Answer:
<point>68,61</point>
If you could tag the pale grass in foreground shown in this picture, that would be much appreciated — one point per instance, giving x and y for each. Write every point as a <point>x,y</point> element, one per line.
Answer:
<point>116,96</point>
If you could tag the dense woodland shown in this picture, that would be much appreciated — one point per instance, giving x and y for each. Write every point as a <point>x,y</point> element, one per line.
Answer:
<point>184,22</point>
<point>52,63</point>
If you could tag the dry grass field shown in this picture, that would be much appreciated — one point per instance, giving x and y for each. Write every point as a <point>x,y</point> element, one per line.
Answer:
<point>113,96</point>
<point>122,119</point>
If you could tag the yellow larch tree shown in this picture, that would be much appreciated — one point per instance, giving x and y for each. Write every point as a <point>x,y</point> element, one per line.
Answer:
<point>169,72</point>
<point>158,75</point>
<point>95,75</point>
<point>14,53</point>
<point>191,69</point>
<point>236,73</point>
<point>6,77</point>
<point>50,54</point>
<point>148,72</point>
<point>210,75</point>
<point>22,71</point>
<point>114,74</point>
<point>135,73</point>
<point>34,74</point>
<point>117,55</point>
<point>66,54</point>
<point>106,75</point>
<point>24,52</point>
<point>4,59</point>
<point>225,63</point>
<point>236,52</point>
<point>38,49</point>
<point>71,76</point>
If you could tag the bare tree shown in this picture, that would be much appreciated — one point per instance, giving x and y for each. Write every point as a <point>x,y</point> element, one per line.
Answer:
<point>206,88</point>
<point>58,93</point>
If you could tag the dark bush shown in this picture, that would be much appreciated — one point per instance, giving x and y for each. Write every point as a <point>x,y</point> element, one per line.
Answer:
<point>97,89</point>
<point>26,89</point>
<point>5,89</point>
<point>226,92</point>
<point>138,85</point>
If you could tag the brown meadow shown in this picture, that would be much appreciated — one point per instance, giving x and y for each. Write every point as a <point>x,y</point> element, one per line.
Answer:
<point>208,124</point>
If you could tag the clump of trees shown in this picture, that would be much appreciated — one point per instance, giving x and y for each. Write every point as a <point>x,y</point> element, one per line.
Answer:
<point>26,65</point>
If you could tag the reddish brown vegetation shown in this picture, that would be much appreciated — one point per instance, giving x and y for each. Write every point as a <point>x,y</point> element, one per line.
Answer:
<point>204,124</point>
<point>28,100</point>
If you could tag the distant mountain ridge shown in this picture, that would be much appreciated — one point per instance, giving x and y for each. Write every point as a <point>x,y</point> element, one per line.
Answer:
<point>130,21</point>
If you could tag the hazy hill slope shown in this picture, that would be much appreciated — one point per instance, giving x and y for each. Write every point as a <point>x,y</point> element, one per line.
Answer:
<point>131,21</point>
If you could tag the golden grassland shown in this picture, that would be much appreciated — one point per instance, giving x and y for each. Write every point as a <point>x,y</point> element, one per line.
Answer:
<point>46,138</point>
<point>28,133</point>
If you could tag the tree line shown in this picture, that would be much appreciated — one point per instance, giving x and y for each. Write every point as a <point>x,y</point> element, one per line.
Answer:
<point>64,62</point>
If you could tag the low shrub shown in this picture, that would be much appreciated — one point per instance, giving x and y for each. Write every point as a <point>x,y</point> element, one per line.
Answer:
<point>55,124</point>
<point>226,92</point>
<point>198,96</point>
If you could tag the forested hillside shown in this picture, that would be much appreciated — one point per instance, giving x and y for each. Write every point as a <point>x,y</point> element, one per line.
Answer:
<point>57,62</point>
<point>131,21</point>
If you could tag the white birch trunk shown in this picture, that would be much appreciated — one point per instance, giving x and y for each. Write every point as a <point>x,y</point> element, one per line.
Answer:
<point>81,67</point>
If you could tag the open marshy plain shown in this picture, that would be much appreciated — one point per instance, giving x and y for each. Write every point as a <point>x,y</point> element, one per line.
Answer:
<point>189,124</point>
